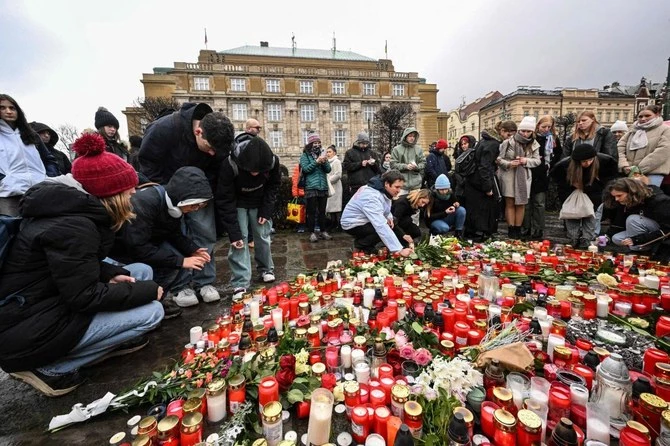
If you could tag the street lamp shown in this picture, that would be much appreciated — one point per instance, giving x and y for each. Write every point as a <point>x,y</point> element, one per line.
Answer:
<point>666,109</point>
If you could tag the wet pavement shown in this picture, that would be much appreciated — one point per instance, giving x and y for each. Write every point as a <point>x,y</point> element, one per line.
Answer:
<point>26,413</point>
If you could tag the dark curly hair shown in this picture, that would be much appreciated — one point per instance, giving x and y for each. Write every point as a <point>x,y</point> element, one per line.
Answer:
<point>28,135</point>
<point>218,131</point>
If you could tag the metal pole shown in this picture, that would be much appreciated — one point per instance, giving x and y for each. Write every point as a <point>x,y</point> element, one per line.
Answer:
<point>666,109</point>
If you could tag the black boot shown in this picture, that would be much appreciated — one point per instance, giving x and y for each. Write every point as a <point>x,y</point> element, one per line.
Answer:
<point>513,232</point>
<point>459,234</point>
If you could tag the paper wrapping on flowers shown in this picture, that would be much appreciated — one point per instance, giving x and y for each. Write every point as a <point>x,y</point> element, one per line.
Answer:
<point>515,357</point>
<point>81,413</point>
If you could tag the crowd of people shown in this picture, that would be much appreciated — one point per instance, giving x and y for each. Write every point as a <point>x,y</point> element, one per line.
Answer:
<point>120,238</point>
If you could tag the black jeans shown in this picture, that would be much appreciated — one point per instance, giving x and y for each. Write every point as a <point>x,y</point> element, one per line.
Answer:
<point>316,206</point>
<point>366,237</point>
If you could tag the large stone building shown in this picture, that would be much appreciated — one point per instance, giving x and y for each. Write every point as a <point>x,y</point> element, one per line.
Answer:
<point>608,106</point>
<point>293,92</point>
<point>464,120</point>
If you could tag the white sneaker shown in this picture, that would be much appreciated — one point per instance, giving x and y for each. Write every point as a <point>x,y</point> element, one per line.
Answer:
<point>268,277</point>
<point>209,294</point>
<point>186,298</point>
<point>238,292</point>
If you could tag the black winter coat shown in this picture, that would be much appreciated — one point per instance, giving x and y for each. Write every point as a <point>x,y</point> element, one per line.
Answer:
<point>486,154</point>
<point>62,160</point>
<point>603,142</point>
<point>141,239</point>
<point>169,143</point>
<point>606,173</point>
<point>402,212</point>
<point>357,174</point>
<point>436,164</point>
<point>540,181</point>
<point>245,191</point>
<point>115,147</point>
<point>439,207</point>
<point>55,262</point>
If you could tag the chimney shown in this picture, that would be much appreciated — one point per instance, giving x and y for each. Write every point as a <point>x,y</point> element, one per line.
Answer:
<point>264,44</point>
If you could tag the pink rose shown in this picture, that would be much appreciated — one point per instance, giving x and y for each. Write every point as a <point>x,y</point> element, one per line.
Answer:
<point>407,351</point>
<point>422,357</point>
<point>388,332</point>
<point>400,339</point>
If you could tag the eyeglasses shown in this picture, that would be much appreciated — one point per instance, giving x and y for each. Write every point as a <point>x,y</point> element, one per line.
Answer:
<point>257,128</point>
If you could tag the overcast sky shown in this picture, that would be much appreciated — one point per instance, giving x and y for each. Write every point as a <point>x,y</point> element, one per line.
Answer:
<point>63,59</point>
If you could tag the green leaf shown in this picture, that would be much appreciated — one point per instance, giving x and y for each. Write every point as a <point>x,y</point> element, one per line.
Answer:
<point>253,392</point>
<point>158,375</point>
<point>294,396</point>
<point>431,440</point>
<point>417,327</point>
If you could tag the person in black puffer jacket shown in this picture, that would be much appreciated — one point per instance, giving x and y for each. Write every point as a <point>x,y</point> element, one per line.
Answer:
<point>360,163</point>
<point>63,307</point>
<point>155,236</point>
<point>550,154</point>
<point>108,127</point>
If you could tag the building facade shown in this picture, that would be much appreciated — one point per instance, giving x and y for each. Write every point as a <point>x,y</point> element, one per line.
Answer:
<point>464,120</point>
<point>608,106</point>
<point>293,92</point>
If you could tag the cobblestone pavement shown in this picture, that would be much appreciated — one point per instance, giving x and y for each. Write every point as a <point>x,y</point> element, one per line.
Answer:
<point>26,413</point>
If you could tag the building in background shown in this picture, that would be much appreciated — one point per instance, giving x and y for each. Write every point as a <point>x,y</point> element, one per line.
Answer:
<point>464,120</point>
<point>292,92</point>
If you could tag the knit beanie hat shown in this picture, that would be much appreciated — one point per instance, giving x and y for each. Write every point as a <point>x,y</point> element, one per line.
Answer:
<point>103,117</point>
<point>101,173</point>
<point>256,156</point>
<point>528,123</point>
<point>583,152</point>
<point>363,137</point>
<point>441,144</point>
<point>313,137</point>
<point>619,126</point>
<point>442,182</point>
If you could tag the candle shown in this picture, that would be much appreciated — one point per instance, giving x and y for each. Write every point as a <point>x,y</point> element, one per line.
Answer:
<point>346,353</point>
<point>216,401</point>
<point>195,334</point>
<point>268,391</point>
<point>540,313</point>
<point>357,355</point>
<point>254,308</point>
<point>382,415</point>
<point>362,370</point>
<point>598,422</point>
<point>320,417</point>
<point>552,341</point>
<point>603,305</point>
<point>579,394</point>
<point>368,296</point>
<point>277,318</point>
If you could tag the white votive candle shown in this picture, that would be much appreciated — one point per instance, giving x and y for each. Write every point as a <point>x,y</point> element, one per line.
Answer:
<point>579,394</point>
<point>603,306</point>
<point>195,334</point>
<point>368,296</point>
<point>552,341</point>
<point>540,313</point>
<point>362,370</point>
<point>254,309</point>
<point>277,319</point>
<point>345,353</point>
<point>357,355</point>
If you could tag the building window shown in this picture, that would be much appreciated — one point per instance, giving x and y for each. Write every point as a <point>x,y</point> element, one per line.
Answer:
<point>274,112</point>
<point>526,112</point>
<point>463,130</point>
<point>600,116</point>
<point>272,86</point>
<point>339,113</point>
<point>473,127</point>
<point>625,116</point>
<point>609,116</point>
<point>340,138</point>
<point>239,111</point>
<point>338,88</point>
<point>238,84</point>
<point>308,112</point>
<point>398,89</point>
<point>201,83</point>
<point>306,87</point>
<point>276,139</point>
<point>537,114</point>
<point>369,112</point>
<point>616,116</point>
<point>369,89</point>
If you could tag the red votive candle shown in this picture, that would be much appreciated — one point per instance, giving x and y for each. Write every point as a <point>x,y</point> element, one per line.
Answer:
<point>461,334</point>
<point>385,371</point>
<point>268,391</point>
<point>449,318</point>
<point>382,415</point>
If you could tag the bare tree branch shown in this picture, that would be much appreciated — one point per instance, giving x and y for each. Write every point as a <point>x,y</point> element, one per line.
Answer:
<point>390,121</point>
<point>67,134</point>
<point>155,106</point>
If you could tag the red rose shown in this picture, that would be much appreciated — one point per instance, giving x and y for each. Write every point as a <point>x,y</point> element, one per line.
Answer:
<point>285,379</point>
<point>287,362</point>
<point>328,381</point>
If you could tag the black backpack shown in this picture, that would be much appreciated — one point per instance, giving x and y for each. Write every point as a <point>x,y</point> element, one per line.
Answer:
<point>466,163</point>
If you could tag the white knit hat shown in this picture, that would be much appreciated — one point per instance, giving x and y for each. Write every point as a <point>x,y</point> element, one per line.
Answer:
<point>528,123</point>
<point>619,126</point>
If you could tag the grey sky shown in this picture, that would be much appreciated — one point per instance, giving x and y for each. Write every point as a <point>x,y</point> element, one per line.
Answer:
<point>63,59</point>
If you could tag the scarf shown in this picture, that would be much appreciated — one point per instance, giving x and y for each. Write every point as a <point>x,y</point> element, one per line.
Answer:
<point>548,148</point>
<point>386,165</point>
<point>639,139</point>
<point>520,178</point>
<point>314,151</point>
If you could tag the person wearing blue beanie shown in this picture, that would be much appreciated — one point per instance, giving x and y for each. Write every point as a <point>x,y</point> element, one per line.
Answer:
<point>443,212</point>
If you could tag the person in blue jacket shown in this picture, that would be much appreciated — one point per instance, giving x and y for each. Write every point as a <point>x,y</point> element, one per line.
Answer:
<point>367,216</point>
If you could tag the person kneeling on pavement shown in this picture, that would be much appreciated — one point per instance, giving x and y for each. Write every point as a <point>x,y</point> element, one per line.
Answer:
<point>62,306</point>
<point>155,236</point>
<point>246,195</point>
<point>367,216</point>
<point>444,213</point>
<point>404,209</point>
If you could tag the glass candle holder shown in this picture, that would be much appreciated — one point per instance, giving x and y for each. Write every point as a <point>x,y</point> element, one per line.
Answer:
<point>320,416</point>
<point>519,384</point>
<point>410,368</point>
<point>598,422</point>
<point>539,389</point>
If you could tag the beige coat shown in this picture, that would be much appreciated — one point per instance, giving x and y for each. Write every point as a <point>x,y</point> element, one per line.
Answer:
<point>506,173</point>
<point>653,159</point>
<point>334,203</point>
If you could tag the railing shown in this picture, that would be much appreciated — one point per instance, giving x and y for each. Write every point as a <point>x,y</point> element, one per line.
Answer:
<point>199,66</point>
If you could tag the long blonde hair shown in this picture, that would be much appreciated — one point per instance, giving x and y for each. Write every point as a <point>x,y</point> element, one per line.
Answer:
<point>119,209</point>
<point>579,133</point>
<point>414,196</point>
<point>544,119</point>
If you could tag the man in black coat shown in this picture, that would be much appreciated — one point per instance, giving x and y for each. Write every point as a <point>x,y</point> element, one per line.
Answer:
<point>245,198</point>
<point>155,236</point>
<point>192,136</point>
<point>50,138</point>
<point>360,163</point>
<point>437,162</point>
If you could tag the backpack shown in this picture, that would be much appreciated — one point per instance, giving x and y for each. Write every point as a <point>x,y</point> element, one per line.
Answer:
<point>302,179</point>
<point>466,164</point>
<point>236,169</point>
<point>9,228</point>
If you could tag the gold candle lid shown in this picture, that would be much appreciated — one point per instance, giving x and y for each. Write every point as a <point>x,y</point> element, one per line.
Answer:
<point>641,428</point>
<point>147,423</point>
<point>351,387</point>
<point>502,394</point>
<point>236,382</point>
<point>216,387</point>
<point>191,420</point>
<point>197,393</point>
<point>413,409</point>
<point>400,391</point>
<point>504,417</point>
<point>168,423</point>
<point>142,440</point>
<point>319,368</point>
<point>467,415</point>
<point>654,401</point>
<point>272,411</point>
<point>529,419</point>
<point>192,405</point>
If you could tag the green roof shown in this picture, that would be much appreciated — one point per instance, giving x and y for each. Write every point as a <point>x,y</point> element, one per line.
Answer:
<point>162,70</point>
<point>302,53</point>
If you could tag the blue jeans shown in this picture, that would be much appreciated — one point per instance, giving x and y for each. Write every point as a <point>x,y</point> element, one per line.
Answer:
<point>108,330</point>
<point>456,219</point>
<point>240,259</point>
<point>656,179</point>
<point>635,225</point>
<point>201,228</point>
<point>599,217</point>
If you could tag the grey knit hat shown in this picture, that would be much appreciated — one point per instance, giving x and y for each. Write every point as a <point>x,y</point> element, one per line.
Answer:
<point>363,137</point>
